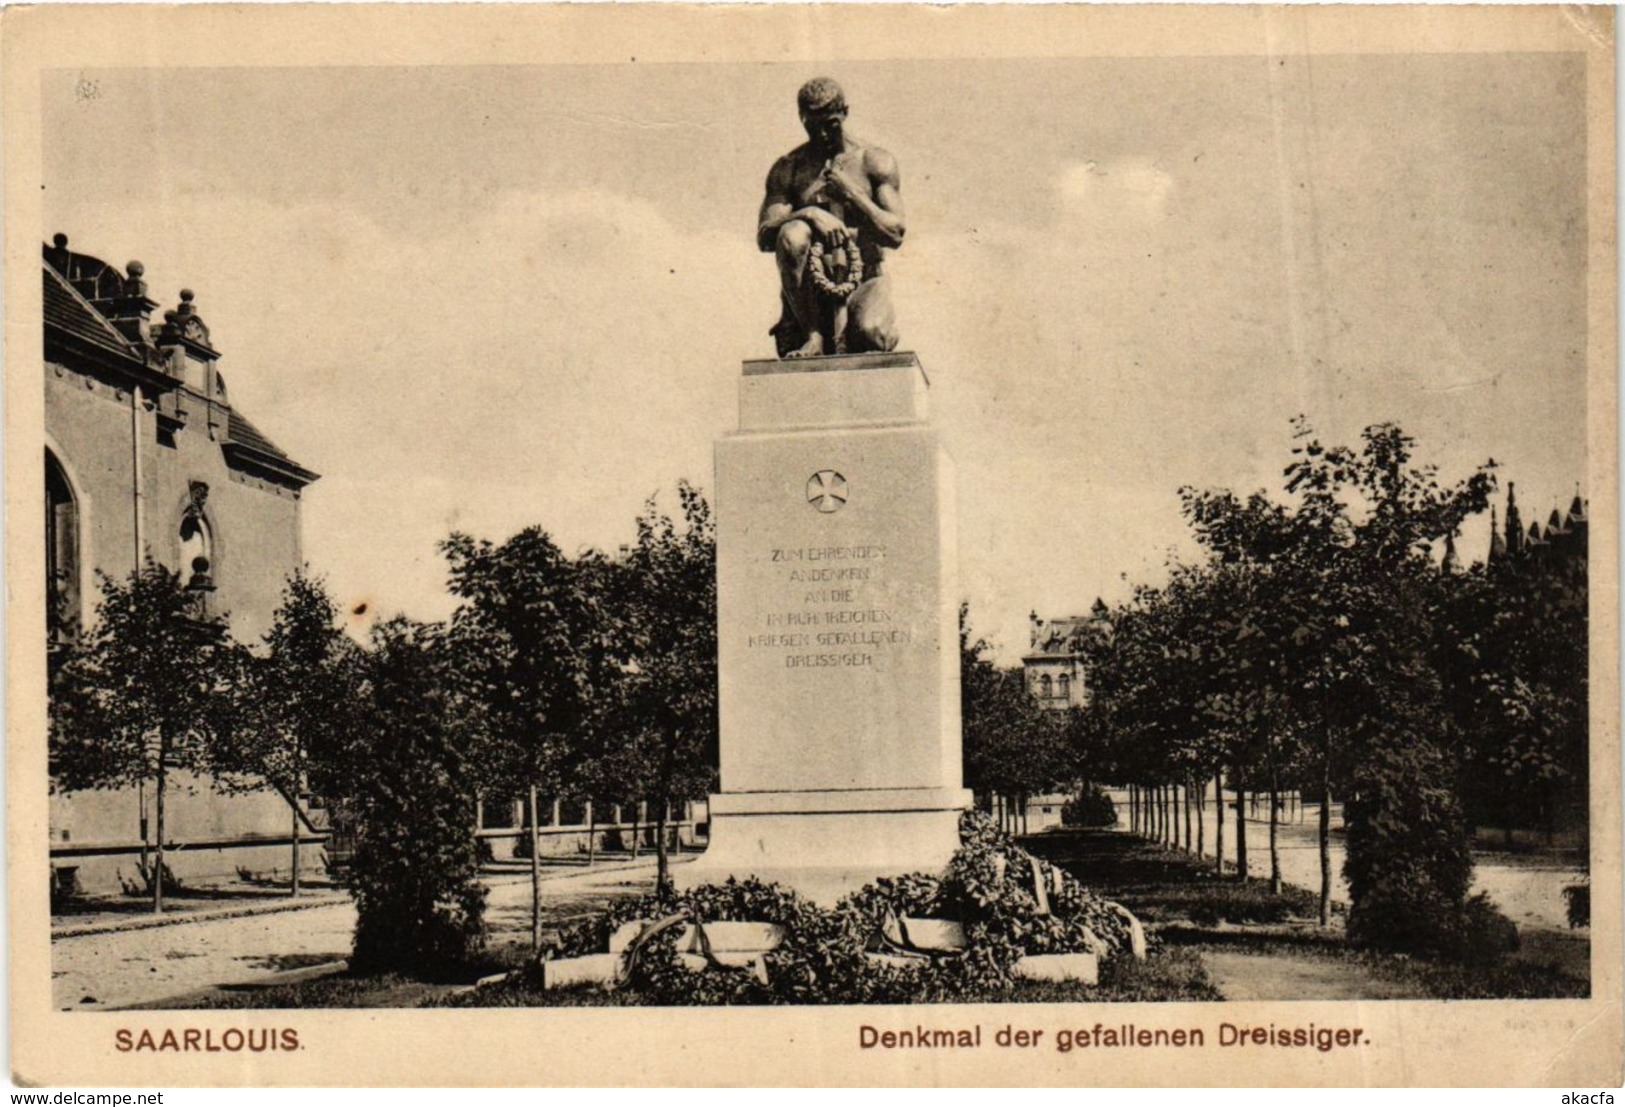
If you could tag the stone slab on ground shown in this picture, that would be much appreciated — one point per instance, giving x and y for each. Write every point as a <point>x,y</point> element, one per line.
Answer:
<point>1059,967</point>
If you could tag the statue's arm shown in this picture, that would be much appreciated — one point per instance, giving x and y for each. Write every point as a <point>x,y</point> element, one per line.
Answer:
<point>777,209</point>
<point>882,205</point>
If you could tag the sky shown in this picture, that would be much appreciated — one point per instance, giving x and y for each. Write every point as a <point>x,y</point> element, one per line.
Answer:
<point>481,298</point>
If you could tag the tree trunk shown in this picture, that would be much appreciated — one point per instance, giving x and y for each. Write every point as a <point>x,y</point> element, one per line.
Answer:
<point>1133,809</point>
<point>592,836</point>
<point>294,882</point>
<point>1187,815</point>
<point>535,875</point>
<point>158,819</point>
<point>662,863</point>
<point>1201,814</point>
<point>1275,852</point>
<point>1326,839</point>
<point>146,827</point>
<point>662,860</point>
<point>1241,833</point>
<point>1218,822</point>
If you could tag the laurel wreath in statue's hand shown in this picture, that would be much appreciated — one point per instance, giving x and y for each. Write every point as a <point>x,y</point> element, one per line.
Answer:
<point>818,269</point>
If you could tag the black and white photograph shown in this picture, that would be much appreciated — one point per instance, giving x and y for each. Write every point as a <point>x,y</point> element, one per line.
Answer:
<point>1029,550</point>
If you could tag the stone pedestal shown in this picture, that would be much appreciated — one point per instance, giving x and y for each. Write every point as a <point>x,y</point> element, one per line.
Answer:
<point>838,640</point>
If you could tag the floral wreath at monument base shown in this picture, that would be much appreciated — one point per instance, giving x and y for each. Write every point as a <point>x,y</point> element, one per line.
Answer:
<point>817,269</point>
<point>968,931</point>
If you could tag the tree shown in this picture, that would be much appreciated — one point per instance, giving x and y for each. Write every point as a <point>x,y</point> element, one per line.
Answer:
<point>301,710</point>
<point>420,905</point>
<point>663,711</point>
<point>151,689</point>
<point>1012,746</point>
<point>1356,601</point>
<point>531,639</point>
<point>1515,658</point>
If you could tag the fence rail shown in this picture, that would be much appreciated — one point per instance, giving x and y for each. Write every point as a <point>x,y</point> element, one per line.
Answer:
<point>125,848</point>
<point>583,828</point>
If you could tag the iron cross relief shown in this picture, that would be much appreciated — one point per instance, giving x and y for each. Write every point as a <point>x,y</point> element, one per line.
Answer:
<point>826,490</point>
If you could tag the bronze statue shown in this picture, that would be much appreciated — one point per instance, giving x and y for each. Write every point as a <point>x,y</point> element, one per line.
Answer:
<point>832,206</point>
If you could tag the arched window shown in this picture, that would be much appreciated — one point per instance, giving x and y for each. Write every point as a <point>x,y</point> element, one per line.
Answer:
<point>1063,686</point>
<point>61,551</point>
<point>1044,686</point>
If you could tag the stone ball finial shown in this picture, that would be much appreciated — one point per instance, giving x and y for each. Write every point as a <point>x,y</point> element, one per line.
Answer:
<point>135,269</point>
<point>59,240</point>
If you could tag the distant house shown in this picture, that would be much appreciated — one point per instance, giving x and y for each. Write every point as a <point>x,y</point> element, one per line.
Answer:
<point>1054,663</point>
<point>145,454</point>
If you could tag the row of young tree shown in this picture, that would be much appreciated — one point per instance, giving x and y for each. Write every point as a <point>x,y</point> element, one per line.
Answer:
<point>1322,647</point>
<point>1319,647</point>
<point>588,677</point>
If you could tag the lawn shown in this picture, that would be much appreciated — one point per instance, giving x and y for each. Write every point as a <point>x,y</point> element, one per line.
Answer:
<point>1190,913</point>
<point>1190,908</point>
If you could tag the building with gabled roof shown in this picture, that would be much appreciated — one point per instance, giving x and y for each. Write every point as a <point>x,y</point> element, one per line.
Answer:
<point>145,455</point>
<point>1053,665</point>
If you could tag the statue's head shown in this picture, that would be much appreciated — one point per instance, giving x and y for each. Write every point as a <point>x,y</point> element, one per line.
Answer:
<point>823,111</point>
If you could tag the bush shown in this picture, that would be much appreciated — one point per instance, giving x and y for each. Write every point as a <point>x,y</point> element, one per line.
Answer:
<point>420,907</point>
<point>141,886</point>
<point>1409,863</point>
<point>1090,808</point>
<point>1577,901</point>
<point>988,888</point>
<point>1486,934</point>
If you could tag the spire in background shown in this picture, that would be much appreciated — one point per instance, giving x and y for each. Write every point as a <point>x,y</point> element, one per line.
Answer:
<point>1514,522</point>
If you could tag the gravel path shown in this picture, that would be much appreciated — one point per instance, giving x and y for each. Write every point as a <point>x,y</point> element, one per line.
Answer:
<point>1529,891</point>
<point>101,971</point>
<point>1273,976</point>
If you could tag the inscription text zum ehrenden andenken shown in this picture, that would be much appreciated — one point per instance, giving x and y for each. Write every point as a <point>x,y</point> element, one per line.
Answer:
<point>826,619</point>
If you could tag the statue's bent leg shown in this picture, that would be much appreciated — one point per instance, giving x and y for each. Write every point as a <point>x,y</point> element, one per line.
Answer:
<point>872,325</point>
<point>792,251</point>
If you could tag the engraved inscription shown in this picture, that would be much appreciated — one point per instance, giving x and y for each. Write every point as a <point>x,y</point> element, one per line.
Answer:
<point>829,615</point>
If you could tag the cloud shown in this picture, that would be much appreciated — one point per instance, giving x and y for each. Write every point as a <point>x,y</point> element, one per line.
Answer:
<point>535,358</point>
<point>1108,193</point>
